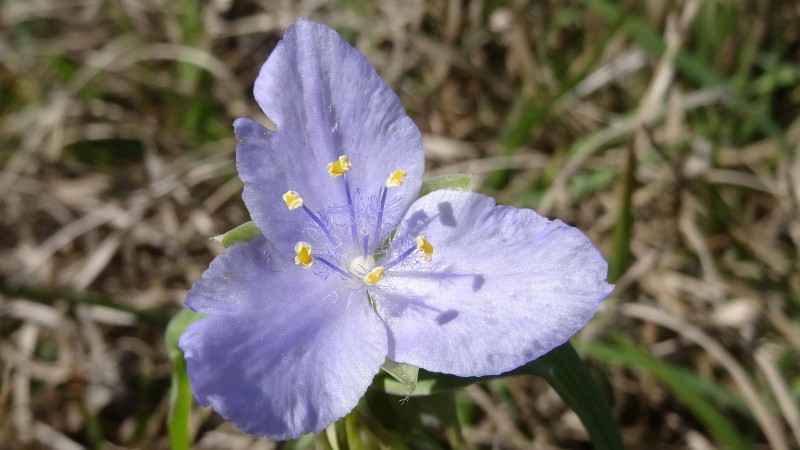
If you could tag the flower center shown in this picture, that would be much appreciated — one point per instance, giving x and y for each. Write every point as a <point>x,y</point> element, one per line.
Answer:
<point>360,265</point>
<point>363,266</point>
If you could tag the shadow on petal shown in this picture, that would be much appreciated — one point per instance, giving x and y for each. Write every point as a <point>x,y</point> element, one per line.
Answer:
<point>446,316</point>
<point>446,215</point>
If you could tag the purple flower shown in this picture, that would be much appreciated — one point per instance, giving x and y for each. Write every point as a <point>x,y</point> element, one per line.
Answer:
<point>352,268</point>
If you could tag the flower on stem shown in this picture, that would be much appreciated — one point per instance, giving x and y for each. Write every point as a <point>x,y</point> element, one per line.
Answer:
<point>352,268</point>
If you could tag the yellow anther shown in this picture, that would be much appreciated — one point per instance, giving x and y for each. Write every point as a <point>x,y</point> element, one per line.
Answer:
<point>374,275</point>
<point>339,167</point>
<point>425,246</point>
<point>303,252</point>
<point>396,178</point>
<point>292,200</point>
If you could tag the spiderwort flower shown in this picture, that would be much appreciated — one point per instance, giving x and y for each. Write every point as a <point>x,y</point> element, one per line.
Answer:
<point>352,268</point>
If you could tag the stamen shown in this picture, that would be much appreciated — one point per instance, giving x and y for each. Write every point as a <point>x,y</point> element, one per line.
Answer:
<point>396,178</point>
<point>425,246</point>
<point>333,266</point>
<point>320,224</point>
<point>374,275</point>
<point>422,244</point>
<point>339,167</point>
<point>380,214</point>
<point>292,200</point>
<point>351,207</point>
<point>400,258</point>
<point>303,252</point>
<point>303,258</point>
<point>336,169</point>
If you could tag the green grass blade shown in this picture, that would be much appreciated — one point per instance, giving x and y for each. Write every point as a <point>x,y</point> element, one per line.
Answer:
<point>568,375</point>
<point>563,369</point>
<point>650,39</point>
<point>692,391</point>
<point>620,258</point>
<point>692,66</point>
<point>527,113</point>
<point>180,398</point>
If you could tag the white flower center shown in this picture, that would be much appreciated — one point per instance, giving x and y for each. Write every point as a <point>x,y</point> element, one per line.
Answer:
<point>360,266</point>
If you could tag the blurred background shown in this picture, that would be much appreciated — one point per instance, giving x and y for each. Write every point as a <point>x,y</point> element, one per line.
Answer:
<point>667,130</point>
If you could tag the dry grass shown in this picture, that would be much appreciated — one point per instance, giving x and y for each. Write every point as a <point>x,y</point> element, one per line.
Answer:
<point>116,166</point>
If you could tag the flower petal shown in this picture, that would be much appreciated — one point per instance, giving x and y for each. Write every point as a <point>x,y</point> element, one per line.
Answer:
<point>284,354</point>
<point>504,286</point>
<point>326,101</point>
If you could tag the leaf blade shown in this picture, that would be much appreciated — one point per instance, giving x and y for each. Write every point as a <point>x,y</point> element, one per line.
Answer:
<point>180,395</point>
<point>563,369</point>
<point>454,182</point>
<point>243,233</point>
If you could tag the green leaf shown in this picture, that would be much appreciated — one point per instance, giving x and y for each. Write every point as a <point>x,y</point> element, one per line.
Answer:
<point>688,387</point>
<point>455,182</point>
<point>180,397</point>
<point>304,442</point>
<point>406,374</point>
<point>406,423</point>
<point>563,369</point>
<point>243,233</point>
<point>358,435</point>
<point>175,329</point>
<point>621,255</point>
